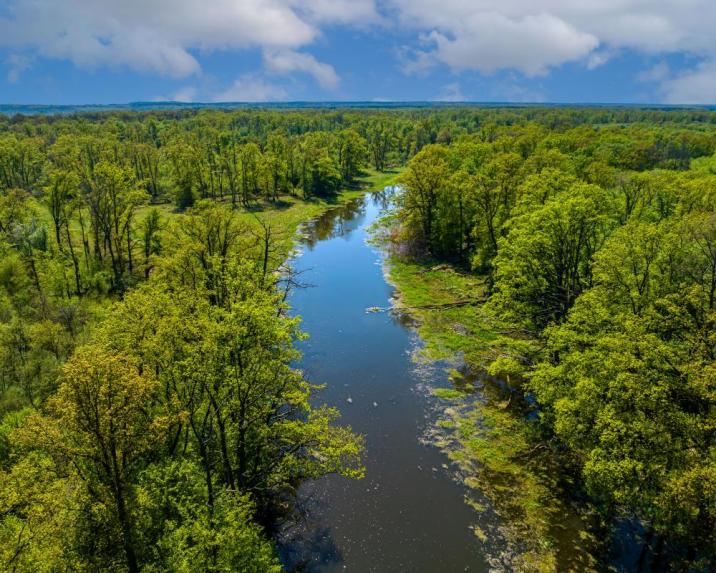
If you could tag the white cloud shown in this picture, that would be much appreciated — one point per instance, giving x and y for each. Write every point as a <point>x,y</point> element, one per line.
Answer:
<point>149,35</point>
<point>339,11</point>
<point>657,73</point>
<point>533,36</point>
<point>166,36</point>
<point>169,37</point>
<point>489,42</point>
<point>17,63</point>
<point>451,92</point>
<point>252,88</point>
<point>598,58</point>
<point>649,25</point>
<point>417,62</point>
<point>187,94</point>
<point>288,61</point>
<point>697,86</point>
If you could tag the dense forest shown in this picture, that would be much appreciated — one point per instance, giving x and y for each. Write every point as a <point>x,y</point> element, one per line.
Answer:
<point>595,249</point>
<point>151,416</point>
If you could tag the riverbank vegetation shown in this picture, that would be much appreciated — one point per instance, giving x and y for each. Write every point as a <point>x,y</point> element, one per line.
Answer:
<point>574,265</point>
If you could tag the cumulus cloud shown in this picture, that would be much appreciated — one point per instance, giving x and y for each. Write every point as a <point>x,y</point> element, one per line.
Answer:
<point>339,11</point>
<point>533,36</point>
<point>168,36</point>
<point>657,73</point>
<point>17,63</point>
<point>598,58</point>
<point>187,94</point>
<point>288,61</point>
<point>252,88</point>
<point>149,35</point>
<point>649,25</point>
<point>451,92</point>
<point>697,86</point>
<point>416,62</point>
<point>489,42</point>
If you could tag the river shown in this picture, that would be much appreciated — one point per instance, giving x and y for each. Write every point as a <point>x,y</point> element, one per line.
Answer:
<point>408,513</point>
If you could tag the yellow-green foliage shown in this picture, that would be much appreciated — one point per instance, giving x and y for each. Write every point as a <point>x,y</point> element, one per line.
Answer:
<point>594,251</point>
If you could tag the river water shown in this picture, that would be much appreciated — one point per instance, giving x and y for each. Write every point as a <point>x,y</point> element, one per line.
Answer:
<point>408,514</point>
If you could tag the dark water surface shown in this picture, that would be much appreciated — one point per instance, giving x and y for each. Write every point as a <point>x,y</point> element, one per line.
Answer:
<point>408,514</point>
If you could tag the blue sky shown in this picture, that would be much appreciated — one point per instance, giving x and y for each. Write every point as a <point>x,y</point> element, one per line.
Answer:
<point>118,51</point>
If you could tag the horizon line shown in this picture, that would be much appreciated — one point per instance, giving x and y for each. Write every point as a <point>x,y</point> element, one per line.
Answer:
<point>6,108</point>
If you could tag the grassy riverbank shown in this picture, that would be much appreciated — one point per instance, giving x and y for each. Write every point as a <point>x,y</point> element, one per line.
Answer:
<point>290,212</point>
<point>446,304</point>
<point>487,429</point>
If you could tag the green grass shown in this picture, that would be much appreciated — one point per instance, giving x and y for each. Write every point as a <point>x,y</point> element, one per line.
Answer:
<point>373,180</point>
<point>464,330</point>
<point>286,216</point>
<point>292,211</point>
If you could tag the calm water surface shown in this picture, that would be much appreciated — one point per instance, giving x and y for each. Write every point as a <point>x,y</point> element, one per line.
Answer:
<point>408,514</point>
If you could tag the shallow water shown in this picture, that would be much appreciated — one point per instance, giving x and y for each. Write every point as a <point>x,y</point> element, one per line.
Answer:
<point>408,514</point>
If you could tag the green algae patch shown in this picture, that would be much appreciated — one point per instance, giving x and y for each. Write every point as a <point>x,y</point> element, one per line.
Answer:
<point>447,393</point>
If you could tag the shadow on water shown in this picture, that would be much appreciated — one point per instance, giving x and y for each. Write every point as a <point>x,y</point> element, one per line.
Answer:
<point>307,546</point>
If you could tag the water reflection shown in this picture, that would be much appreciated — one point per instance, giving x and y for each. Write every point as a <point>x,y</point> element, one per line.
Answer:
<point>335,222</point>
<point>408,514</point>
